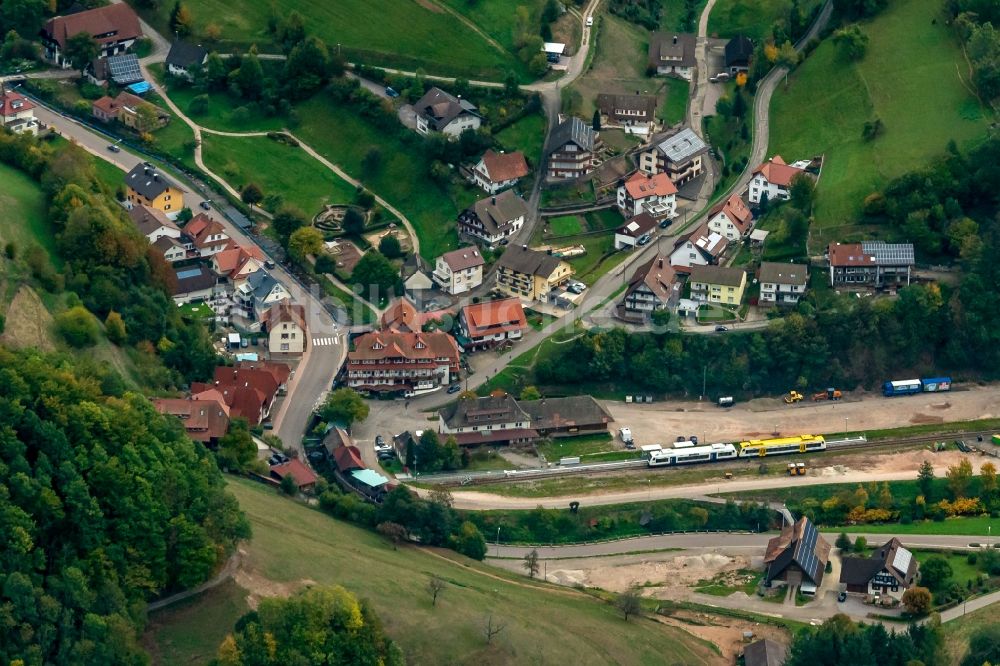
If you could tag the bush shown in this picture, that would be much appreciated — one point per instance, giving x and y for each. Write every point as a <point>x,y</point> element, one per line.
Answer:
<point>78,327</point>
<point>325,263</point>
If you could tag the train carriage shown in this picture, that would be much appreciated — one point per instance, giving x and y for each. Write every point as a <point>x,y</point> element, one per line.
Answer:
<point>781,446</point>
<point>694,454</point>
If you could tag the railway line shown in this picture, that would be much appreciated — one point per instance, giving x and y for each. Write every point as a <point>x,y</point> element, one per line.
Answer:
<point>642,466</point>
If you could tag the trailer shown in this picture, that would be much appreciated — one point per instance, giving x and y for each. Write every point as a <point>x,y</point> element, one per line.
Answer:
<point>902,387</point>
<point>935,384</point>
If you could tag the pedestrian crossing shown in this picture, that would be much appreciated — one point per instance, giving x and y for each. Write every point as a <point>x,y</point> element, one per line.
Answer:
<point>325,342</point>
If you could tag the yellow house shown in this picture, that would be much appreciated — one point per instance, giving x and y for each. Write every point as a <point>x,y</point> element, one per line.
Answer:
<point>716,284</point>
<point>530,275</point>
<point>149,187</point>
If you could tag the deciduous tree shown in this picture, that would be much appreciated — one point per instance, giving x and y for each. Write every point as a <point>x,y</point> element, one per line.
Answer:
<point>629,602</point>
<point>251,194</point>
<point>917,600</point>
<point>304,242</point>
<point>959,477</point>
<point>531,563</point>
<point>344,406</point>
<point>80,50</point>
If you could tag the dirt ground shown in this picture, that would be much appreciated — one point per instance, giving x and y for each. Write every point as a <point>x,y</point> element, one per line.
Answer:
<point>656,422</point>
<point>28,322</point>
<point>725,632</point>
<point>665,576</point>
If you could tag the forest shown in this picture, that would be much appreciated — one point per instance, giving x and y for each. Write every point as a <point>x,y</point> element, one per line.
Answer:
<point>832,340</point>
<point>104,505</point>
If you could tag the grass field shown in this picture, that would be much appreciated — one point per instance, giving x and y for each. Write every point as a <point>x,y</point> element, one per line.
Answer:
<point>957,633</point>
<point>755,19</point>
<point>723,585</point>
<point>190,631</point>
<point>392,33</point>
<point>576,446</point>
<point>564,225</point>
<point>23,220</point>
<point>673,107</point>
<point>402,179</point>
<point>827,102</point>
<point>300,179</point>
<point>498,18</point>
<point>544,624</point>
<point>526,135</point>
<point>672,16</point>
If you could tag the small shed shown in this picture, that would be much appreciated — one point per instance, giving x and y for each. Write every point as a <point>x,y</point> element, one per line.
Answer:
<point>369,480</point>
<point>554,48</point>
<point>758,236</point>
<point>233,340</point>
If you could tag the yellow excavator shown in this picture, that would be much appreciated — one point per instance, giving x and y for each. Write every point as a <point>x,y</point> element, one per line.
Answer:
<point>793,397</point>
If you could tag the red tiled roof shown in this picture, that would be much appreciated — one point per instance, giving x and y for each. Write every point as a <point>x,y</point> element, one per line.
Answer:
<point>494,317</point>
<point>106,105</point>
<point>402,317</point>
<point>284,312</point>
<point>505,166</point>
<point>383,345</point>
<point>776,172</point>
<point>204,420</point>
<point>244,401</point>
<point>849,254</point>
<point>280,371</point>
<point>736,211</point>
<point>231,261</point>
<point>462,258</point>
<point>116,18</point>
<point>9,98</point>
<point>297,470</point>
<point>348,458</point>
<point>641,186</point>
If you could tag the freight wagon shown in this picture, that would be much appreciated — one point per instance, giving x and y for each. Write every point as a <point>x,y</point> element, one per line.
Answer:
<point>911,386</point>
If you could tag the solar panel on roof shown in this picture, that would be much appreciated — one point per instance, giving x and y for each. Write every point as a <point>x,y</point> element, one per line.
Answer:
<point>188,273</point>
<point>901,562</point>
<point>124,69</point>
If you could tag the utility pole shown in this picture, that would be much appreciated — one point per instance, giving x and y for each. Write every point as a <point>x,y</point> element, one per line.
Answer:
<point>704,379</point>
<point>498,541</point>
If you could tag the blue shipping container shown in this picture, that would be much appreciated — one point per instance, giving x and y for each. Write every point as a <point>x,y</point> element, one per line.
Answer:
<point>935,384</point>
<point>905,387</point>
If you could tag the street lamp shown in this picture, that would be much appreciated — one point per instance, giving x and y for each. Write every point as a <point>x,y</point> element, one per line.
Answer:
<point>498,541</point>
<point>846,419</point>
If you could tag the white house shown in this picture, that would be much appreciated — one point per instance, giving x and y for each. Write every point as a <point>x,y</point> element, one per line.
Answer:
<point>628,235</point>
<point>498,171</point>
<point>207,235</point>
<point>184,58</point>
<point>654,194</point>
<point>782,284</point>
<point>258,293</point>
<point>459,271</point>
<point>732,218</point>
<point>673,53</point>
<point>153,223</point>
<point>114,27</point>
<point>438,111</point>
<point>698,248</point>
<point>495,218</point>
<point>773,178</point>
<point>17,112</point>
<point>171,249</point>
<point>285,324</point>
<point>193,284</point>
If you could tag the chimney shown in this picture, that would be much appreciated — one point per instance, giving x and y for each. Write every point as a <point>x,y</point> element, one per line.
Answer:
<point>550,252</point>
<point>146,170</point>
<point>524,247</point>
<point>661,262</point>
<point>675,39</point>
<point>494,200</point>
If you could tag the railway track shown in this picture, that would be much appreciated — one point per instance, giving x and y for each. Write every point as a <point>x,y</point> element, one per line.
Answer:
<point>639,466</point>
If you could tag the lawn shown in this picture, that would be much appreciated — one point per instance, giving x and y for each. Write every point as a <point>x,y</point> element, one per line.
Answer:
<point>402,179</point>
<point>710,312</point>
<point>499,18</point>
<point>567,447</point>
<point>278,168</point>
<point>673,108</point>
<point>744,580</point>
<point>197,311</point>
<point>755,19</point>
<point>538,320</point>
<point>564,225</point>
<point>391,33</point>
<point>190,631</point>
<point>23,221</point>
<point>293,545</point>
<point>962,571</point>
<point>672,16</point>
<point>526,135</point>
<point>177,140</point>
<point>827,102</point>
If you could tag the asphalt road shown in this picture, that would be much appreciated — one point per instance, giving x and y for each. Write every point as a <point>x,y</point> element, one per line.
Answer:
<point>317,367</point>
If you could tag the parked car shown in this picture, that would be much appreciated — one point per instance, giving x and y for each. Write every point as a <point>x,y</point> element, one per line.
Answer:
<point>842,597</point>
<point>666,223</point>
<point>643,239</point>
<point>590,21</point>
<point>390,92</point>
<point>721,329</point>
<point>115,149</point>
<point>454,388</point>
<point>268,264</point>
<point>206,204</point>
<point>625,434</point>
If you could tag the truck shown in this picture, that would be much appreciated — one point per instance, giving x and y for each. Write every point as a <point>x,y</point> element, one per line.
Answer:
<point>793,397</point>
<point>829,394</point>
<point>995,439</point>
<point>726,401</point>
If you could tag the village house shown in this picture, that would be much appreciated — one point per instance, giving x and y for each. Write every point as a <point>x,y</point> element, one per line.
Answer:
<point>259,292</point>
<point>889,571</point>
<point>874,264</point>
<point>502,420</point>
<point>797,556</point>
<point>153,223</point>
<point>731,218</point>
<point>642,226</point>
<point>403,317</point>
<point>114,27</point>
<point>530,275</point>
<point>285,325</point>
<point>572,148</point>
<point>248,389</point>
<point>438,111</point>
<point>678,155</point>
<point>415,273</point>
<point>739,51</point>
<point>390,362</point>
<point>207,235</point>
<point>205,421</point>
<point>237,262</point>
<point>627,110</point>
<point>194,284</point>
<point>122,70</point>
<point>494,218</point>
<point>125,109</point>
<point>17,112</point>
<point>717,284</point>
<point>765,652</point>
<point>486,325</point>
<point>642,192</point>
<point>498,171</point>
<point>782,284</point>
<point>146,185</point>
<point>305,479</point>
<point>185,58</point>
<point>171,249</point>
<point>672,53</point>
<point>698,248</point>
<point>459,271</point>
<point>774,179</point>
<point>652,287</point>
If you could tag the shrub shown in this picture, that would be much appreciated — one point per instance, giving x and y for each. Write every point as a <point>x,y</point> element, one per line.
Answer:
<point>78,327</point>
